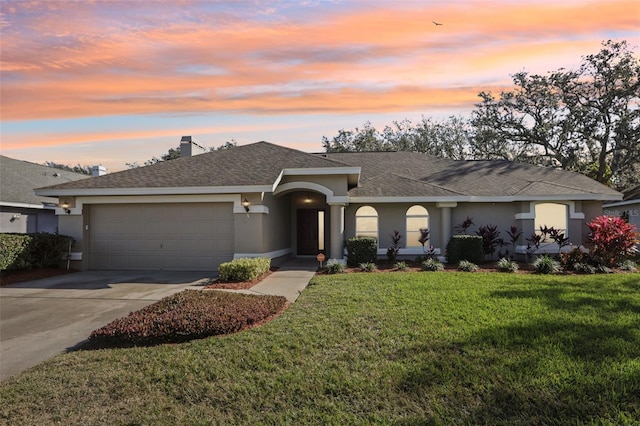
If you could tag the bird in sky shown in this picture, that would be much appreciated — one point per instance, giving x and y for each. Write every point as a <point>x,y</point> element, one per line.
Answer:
<point>436,23</point>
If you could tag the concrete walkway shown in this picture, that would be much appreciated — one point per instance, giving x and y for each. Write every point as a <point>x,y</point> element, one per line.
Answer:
<point>288,280</point>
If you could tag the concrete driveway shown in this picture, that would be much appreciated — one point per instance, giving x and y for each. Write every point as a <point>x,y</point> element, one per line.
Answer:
<point>39,319</point>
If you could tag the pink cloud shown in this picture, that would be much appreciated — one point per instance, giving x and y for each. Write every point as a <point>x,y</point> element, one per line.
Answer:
<point>375,58</point>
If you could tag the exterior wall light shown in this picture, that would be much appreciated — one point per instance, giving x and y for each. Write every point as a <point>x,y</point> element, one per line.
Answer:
<point>65,207</point>
<point>245,204</point>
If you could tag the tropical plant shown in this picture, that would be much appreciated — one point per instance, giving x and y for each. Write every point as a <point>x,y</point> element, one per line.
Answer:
<point>334,267</point>
<point>490,239</point>
<point>464,226</point>
<point>466,266</point>
<point>628,265</point>
<point>546,265</point>
<point>401,266</point>
<point>514,234</point>
<point>424,237</point>
<point>368,267</point>
<point>506,265</point>
<point>613,239</point>
<point>394,249</point>
<point>432,265</point>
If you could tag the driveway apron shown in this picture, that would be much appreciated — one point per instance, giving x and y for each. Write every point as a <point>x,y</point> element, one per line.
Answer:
<point>39,319</point>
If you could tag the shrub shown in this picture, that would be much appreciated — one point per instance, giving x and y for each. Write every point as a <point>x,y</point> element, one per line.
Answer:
<point>361,250</point>
<point>367,267</point>
<point>334,267</point>
<point>401,266</point>
<point>190,314</point>
<point>466,266</point>
<point>506,265</point>
<point>569,259</point>
<point>628,265</point>
<point>465,247</point>
<point>432,265</point>
<point>28,251</point>
<point>612,238</point>
<point>244,269</point>
<point>490,238</point>
<point>466,224</point>
<point>394,249</point>
<point>546,265</point>
<point>583,268</point>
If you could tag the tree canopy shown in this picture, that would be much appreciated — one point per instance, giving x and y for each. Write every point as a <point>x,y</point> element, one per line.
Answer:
<point>586,120</point>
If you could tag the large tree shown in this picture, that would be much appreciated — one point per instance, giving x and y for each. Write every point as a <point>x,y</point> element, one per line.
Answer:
<point>447,138</point>
<point>585,120</point>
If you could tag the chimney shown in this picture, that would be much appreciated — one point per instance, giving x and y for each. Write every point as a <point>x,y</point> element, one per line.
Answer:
<point>189,147</point>
<point>98,170</point>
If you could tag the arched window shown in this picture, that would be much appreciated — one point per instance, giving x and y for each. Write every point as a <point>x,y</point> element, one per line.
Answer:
<point>551,215</point>
<point>367,222</point>
<point>417,218</point>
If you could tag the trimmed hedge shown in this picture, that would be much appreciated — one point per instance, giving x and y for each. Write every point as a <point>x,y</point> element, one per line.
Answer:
<point>30,251</point>
<point>188,315</point>
<point>244,269</point>
<point>361,250</point>
<point>465,247</point>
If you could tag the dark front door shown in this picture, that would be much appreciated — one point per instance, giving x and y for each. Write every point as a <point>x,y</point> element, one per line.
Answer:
<point>309,232</point>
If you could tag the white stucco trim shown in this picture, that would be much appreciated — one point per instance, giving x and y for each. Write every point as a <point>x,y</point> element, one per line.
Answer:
<point>151,199</point>
<point>26,206</point>
<point>257,208</point>
<point>312,186</point>
<point>620,204</point>
<point>189,190</point>
<point>269,254</point>
<point>531,214</point>
<point>483,199</point>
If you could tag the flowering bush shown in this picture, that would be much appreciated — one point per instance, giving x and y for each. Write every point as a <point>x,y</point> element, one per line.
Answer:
<point>612,239</point>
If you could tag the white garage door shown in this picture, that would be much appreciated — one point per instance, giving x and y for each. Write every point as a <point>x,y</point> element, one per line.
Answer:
<point>179,237</point>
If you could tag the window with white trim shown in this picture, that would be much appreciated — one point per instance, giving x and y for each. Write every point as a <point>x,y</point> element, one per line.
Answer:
<point>367,222</point>
<point>551,215</point>
<point>417,218</point>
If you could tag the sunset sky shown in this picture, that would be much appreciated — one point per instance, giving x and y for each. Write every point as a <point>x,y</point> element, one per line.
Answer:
<point>116,82</point>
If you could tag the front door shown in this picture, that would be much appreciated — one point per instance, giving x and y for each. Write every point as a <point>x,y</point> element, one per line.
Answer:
<point>310,231</point>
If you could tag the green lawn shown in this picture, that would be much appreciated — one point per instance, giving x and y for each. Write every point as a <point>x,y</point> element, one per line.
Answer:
<point>385,348</point>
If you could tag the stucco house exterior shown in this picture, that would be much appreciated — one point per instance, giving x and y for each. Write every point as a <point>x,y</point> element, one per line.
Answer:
<point>21,210</point>
<point>262,199</point>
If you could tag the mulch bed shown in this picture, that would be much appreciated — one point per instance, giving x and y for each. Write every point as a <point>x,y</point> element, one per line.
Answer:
<point>22,275</point>
<point>243,285</point>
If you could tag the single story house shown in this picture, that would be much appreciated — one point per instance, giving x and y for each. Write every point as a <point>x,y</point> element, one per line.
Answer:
<point>262,199</point>
<point>21,210</point>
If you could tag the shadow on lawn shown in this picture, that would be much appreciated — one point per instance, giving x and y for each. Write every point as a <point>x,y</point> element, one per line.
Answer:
<point>573,366</point>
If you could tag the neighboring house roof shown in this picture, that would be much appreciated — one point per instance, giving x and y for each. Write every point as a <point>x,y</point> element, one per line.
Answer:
<point>630,196</point>
<point>381,175</point>
<point>411,173</point>
<point>18,179</point>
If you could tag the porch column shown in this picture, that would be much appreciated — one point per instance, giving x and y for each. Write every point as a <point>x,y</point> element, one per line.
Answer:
<point>445,223</point>
<point>336,250</point>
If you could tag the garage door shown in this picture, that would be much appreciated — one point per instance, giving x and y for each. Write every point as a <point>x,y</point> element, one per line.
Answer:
<point>180,237</point>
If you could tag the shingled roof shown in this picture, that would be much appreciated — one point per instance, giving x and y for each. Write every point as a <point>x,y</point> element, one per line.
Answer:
<point>397,174</point>
<point>19,178</point>
<point>259,163</point>
<point>383,174</point>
